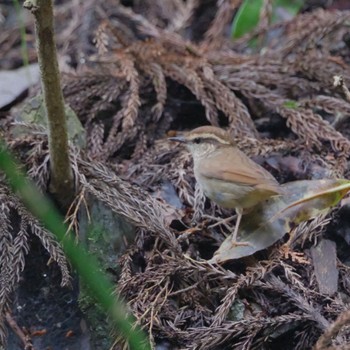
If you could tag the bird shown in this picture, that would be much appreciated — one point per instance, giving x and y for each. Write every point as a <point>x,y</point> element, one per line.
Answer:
<point>225,174</point>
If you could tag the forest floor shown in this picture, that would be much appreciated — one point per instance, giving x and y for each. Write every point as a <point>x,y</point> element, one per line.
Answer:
<point>135,73</point>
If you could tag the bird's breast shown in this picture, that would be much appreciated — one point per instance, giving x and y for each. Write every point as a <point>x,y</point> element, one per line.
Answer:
<point>225,194</point>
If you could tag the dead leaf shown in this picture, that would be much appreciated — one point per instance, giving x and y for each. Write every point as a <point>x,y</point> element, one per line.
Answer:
<point>269,221</point>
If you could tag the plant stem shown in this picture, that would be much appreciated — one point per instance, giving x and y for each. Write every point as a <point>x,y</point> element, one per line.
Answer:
<point>61,182</point>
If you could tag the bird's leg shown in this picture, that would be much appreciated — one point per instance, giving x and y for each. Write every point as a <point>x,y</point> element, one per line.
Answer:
<point>239,212</point>
<point>234,242</point>
<point>220,221</point>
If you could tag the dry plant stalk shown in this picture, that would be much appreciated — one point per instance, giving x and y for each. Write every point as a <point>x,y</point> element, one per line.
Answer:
<point>325,340</point>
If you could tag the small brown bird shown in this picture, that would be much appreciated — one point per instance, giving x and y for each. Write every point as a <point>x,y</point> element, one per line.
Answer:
<point>225,174</point>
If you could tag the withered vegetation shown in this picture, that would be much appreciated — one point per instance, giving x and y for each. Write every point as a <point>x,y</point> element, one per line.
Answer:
<point>150,69</point>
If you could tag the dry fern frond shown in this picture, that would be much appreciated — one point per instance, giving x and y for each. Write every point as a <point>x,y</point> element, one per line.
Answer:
<point>194,83</point>
<point>155,72</point>
<point>304,32</point>
<point>244,281</point>
<point>17,225</point>
<point>240,121</point>
<point>145,79</point>
<point>214,36</point>
<point>96,141</point>
<point>134,204</point>
<point>91,94</point>
<point>222,81</point>
<point>183,15</point>
<point>241,333</point>
<point>329,104</point>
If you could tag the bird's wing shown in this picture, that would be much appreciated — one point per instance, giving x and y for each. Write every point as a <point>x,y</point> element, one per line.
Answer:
<point>237,168</point>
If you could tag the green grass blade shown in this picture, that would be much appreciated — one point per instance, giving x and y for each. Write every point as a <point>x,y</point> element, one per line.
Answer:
<point>246,18</point>
<point>24,48</point>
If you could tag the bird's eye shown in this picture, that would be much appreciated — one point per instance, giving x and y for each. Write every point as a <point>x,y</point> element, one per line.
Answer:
<point>197,140</point>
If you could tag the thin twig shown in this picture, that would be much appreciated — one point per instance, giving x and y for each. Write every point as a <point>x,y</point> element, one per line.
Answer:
<point>27,342</point>
<point>325,339</point>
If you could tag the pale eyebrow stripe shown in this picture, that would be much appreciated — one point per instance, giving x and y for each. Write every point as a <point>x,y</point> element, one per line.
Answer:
<point>210,137</point>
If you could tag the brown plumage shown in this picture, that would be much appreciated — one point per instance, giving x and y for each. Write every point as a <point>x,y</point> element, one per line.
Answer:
<point>226,175</point>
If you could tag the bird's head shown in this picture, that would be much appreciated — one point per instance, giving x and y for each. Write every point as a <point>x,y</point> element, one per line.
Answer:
<point>204,140</point>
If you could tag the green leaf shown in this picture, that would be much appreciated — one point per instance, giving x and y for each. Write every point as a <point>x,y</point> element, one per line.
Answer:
<point>248,15</point>
<point>269,221</point>
<point>246,18</point>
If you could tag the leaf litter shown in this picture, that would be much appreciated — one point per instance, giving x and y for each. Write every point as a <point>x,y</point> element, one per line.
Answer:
<point>151,70</point>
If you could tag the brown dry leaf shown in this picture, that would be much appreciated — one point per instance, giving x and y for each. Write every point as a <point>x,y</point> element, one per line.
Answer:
<point>269,221</point>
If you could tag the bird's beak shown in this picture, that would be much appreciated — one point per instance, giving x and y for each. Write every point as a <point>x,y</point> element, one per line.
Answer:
<point>179,138</point>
